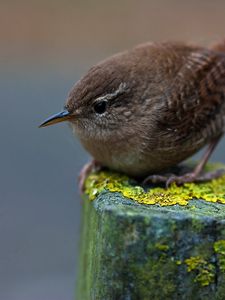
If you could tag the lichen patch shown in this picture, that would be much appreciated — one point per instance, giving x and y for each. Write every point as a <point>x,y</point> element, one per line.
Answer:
<point>212,191</point>
<point>204,271</point>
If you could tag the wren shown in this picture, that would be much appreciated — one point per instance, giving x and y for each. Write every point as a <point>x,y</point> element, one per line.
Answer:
<point>145,110</point>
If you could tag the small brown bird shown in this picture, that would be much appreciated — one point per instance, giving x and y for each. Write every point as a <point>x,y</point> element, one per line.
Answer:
<point>144,110</point>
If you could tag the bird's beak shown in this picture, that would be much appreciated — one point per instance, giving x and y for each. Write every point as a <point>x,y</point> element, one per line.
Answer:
<point>57,118</point>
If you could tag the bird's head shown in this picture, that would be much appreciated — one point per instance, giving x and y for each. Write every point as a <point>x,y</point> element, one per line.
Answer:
<point>119,96</point>
<point>100,103</point>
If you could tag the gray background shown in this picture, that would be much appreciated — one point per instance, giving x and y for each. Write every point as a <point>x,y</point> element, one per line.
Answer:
<point>45,47</point>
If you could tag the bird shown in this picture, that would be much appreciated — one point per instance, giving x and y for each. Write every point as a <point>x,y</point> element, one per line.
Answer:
<point>147,109</point>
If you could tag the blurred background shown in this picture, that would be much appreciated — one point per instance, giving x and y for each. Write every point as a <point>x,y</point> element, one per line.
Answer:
<point>46,46</point>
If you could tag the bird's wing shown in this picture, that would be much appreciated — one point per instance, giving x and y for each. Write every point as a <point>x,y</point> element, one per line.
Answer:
<point>195,102</point>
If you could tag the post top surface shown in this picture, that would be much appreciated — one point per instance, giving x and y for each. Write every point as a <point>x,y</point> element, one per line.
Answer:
<point>197,208</point>
<point>115,190</point>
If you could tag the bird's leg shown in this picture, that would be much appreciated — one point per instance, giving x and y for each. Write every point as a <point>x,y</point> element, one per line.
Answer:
<point>89,167</point>
<point>194,176</point>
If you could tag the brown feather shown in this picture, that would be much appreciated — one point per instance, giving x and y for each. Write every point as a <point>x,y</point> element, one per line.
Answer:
<point>171,106</point>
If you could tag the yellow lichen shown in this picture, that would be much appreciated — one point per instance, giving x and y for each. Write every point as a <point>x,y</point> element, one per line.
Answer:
<point>219,248</point>
<point>204,271</point>
<point>212,191</point>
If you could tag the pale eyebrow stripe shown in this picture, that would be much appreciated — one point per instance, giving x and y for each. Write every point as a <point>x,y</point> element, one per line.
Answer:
<point>121,89</point>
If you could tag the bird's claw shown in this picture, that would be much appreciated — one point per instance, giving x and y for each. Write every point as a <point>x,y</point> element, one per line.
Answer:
<point>169,179</point>
<point>180,180</point>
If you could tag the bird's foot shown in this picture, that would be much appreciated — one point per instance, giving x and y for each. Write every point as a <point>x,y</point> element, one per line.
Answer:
<point>169,179</point>
<point>85,171</point>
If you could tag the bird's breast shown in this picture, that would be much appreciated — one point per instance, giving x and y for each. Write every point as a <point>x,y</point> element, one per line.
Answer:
<point>135,160</point>
<point>120,156</point>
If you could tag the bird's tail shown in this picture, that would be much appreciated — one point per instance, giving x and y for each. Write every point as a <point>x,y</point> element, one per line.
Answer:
<point>219,46</point>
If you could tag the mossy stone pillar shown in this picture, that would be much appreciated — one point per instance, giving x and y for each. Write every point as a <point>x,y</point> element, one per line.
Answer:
<point>160,250</point>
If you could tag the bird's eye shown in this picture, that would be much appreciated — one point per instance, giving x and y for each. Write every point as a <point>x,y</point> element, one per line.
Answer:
<point>100,107</point>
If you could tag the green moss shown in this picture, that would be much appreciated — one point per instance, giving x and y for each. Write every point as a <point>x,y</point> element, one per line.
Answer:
<point>213,191</point>
<point>162,247</point>
<point>156,275</point>
<point>197,225</point>
<point>204,271</point>
<point>219,248</point>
